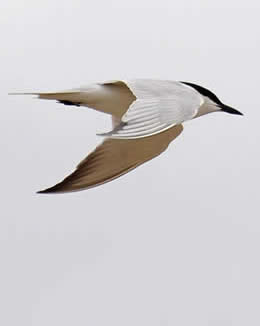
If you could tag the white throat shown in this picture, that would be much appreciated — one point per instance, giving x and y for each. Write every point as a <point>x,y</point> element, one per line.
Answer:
<point>207,106</point>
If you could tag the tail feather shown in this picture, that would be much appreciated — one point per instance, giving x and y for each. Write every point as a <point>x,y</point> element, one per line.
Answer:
<point>59,96</point>
<point>19,93</point>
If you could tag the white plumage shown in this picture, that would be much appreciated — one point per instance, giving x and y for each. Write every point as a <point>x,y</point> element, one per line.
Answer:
<point>159,105</point>
<point>146,114</point>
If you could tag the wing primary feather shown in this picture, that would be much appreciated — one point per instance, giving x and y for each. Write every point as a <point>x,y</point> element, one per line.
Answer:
<point>113,158</point>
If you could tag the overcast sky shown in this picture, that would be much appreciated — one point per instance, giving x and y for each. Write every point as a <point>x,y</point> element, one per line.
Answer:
<point>176,241</point>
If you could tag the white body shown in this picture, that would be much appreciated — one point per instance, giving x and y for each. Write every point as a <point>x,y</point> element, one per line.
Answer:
<point>159,105</point>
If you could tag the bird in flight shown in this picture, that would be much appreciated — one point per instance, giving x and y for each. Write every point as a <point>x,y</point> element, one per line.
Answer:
<point>147,115</point>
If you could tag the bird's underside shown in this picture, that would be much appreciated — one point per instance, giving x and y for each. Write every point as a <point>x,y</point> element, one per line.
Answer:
<point>120,153</point>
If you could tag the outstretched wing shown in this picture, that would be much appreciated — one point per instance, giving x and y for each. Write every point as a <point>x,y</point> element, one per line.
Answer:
<point>111,97</point>
<point>113,158</point>
<point>159,105</point>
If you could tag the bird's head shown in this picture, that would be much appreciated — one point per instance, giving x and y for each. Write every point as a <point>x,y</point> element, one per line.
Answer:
<point>213,100</point>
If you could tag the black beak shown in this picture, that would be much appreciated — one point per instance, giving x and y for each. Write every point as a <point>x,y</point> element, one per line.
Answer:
<point>230,110</point>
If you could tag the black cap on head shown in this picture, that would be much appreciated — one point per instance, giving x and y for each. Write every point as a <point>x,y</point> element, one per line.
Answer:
<point>205,92</point>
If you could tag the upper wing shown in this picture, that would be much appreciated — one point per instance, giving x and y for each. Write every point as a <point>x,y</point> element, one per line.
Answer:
<point>113,158</point>
<point>159,105</point>
<point>111,97</point>
<point>145,106</point>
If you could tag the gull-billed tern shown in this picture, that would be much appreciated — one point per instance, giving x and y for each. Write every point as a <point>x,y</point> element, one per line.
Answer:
<point>146,115</point>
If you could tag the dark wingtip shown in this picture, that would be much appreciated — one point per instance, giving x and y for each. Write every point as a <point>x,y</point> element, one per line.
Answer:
<point>51,190</point>
<point>45,191</point>
<point>60,188</point>
<point>65,102</point>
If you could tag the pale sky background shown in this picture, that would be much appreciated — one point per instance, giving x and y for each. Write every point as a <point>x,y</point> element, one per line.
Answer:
<point>175,242</point>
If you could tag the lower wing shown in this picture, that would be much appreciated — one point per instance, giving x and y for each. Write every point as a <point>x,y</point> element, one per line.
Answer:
<point>113,158</point>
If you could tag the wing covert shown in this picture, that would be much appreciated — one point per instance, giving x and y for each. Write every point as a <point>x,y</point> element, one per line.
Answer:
<point>159,105</point>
